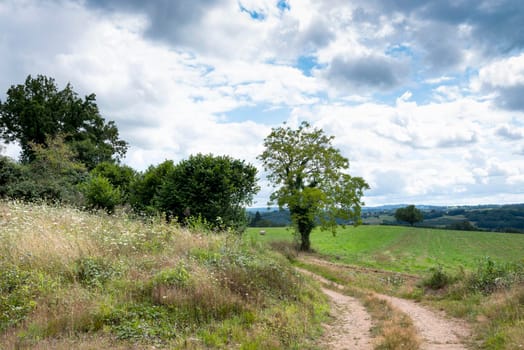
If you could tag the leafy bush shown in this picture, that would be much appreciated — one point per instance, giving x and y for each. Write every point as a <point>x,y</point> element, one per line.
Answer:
<point>491,276</point>
<point>176,277</point>
<point>120,176</point>
<point>438,279</point>
<point>143,195</point>
<point>52,175</point>
<point>10,173</point>
<point>211,187</point>
<point>94,272</point>
<point>100,194</point>
<point>16,295</point>
<point>143,322</point>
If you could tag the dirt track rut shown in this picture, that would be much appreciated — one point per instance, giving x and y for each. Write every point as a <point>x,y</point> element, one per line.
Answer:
<point>351,325</point>
<point>435,330</point>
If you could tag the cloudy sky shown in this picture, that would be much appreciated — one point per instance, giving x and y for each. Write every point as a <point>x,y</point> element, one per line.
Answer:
<point>425,98</point>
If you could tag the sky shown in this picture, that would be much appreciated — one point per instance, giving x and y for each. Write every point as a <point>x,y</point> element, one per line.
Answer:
<point>425,98</point>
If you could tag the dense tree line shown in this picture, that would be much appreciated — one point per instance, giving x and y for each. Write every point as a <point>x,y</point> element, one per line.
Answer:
<point>505,218</point>
<point>275,218</point>
<point>70,154</point>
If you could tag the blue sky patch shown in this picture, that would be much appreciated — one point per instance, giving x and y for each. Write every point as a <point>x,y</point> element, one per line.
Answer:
<point>257,16</point>
<point>283,5</point>
<point>307,63</point>
<point>399,51</point>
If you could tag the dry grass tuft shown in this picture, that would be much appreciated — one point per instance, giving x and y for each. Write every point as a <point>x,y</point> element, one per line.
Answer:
<point>502,319</point>
<point>394,329</point>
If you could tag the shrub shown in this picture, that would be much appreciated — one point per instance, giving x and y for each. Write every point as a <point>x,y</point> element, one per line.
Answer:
<point>142,322</point>
<point>491,276</point>
<point>100,194</point>
<point>119,176</point>
<point>176,277</point>
<point>10,173</point>
<point>211,187</point>
<point>16,295</point>
<point>438,279</point>
<point>94,272</point>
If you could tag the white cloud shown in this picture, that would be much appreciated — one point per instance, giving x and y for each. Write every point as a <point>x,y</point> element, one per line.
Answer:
<point>395,100</point>
<point>503,73</point>
<point>511,133</point>
<point>439,80</point>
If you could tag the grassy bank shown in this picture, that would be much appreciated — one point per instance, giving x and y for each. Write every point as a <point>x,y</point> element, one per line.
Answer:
<point>75,280</point>
<point>406,249</point>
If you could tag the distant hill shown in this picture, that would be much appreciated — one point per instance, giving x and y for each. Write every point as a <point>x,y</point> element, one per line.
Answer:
<point>493,217</point>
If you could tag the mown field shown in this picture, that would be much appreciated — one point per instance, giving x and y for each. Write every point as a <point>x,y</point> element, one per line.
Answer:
<point>407,249</point>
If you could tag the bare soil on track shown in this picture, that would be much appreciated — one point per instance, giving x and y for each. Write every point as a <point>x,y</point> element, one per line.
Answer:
<point>351,325</point>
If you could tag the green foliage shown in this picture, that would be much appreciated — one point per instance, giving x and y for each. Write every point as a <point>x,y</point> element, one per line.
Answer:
<point>309,174</point>
<point>52,175</point>
<point>10,174</point>
<point>438,278</point>
<point>94,272</point>
<point>37,110</point>
<point>216,188</point>
<point>463,226</point>
<point>120,176</point>
<point>16,295</point>
<point>144,190</point>
<point>175,277</point>
<point>100,194</point>
<point>491,276</point>
<point>409,214</point>
<point>143,322</point>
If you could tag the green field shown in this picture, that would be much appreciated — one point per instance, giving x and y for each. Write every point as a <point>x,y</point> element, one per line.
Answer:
<point>407,249</point>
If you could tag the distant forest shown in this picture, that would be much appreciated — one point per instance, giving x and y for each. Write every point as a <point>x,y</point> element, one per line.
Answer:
<point>496,218</point>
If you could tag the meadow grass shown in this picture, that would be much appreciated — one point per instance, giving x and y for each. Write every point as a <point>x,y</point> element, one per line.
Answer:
<point>407,249</point>
<point>71,279</point>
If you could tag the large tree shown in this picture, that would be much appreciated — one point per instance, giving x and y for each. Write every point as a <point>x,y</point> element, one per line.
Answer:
<point>409,214</point>
<point>37,110</point>
<point>310,178</point>
<point>216,189</point>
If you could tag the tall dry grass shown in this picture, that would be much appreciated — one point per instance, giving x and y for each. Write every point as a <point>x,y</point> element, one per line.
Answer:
<point>90,279</point>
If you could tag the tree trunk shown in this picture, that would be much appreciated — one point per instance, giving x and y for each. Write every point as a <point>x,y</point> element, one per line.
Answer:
<point>305,243</point>
<point>304,226</point>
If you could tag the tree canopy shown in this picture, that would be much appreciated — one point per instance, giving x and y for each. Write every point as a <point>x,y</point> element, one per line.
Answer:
<point>52,175</point>
<point>36,111</point>
<point>310,178</point>
<point>409,214</point>
<point>215,188</point>
<point>145,189</point>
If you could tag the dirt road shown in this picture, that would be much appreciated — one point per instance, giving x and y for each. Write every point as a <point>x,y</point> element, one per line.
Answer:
<point>351,324</point>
